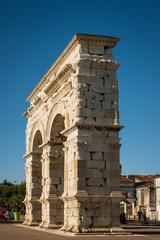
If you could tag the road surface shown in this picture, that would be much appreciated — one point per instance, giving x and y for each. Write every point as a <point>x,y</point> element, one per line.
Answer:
<point>17,232</point>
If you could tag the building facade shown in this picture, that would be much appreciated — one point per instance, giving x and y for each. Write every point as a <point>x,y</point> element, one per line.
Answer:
<point>148,197</point>
<point>157,187</point>
<point>72,141</point>
<point>146,200</point>
<point>128,202</point>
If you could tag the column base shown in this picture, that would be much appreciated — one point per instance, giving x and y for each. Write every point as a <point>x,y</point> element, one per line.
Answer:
<point>49,225</point>
<point>95,231</point>
<point>91,214</point>
<point>30,223</point>
<point>119,231</point>
<point>52,211</point>
<point>71,229</point>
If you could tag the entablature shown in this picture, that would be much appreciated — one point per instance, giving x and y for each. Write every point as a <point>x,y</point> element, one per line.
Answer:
<point>53,87</point>
<point>90,126</point>
<point>59,80</point>
<point>79,38</point>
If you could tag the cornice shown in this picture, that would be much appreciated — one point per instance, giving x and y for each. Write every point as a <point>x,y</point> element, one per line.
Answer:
<point>28,112</point>
<point>77,39</point>
<point>107,41</point>
<point>29,154</point>
<point>32,109</point>
<point>57,82</point>
<point>100,126</point>
<point>78,125</point>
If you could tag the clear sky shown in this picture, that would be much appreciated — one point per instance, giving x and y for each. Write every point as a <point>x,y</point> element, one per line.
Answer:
<point>34,32</point>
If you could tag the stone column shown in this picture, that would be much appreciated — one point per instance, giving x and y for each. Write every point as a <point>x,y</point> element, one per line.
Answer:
<point>133,210</point>
<point>52,205</point>
<point>71,205</point>
<point>33,189</point>
<point>125,208</point>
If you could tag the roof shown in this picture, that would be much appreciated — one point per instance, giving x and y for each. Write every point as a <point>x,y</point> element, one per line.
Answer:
<point>125,179</point>
<point>143,178</point>
<point>147,179</point>
<point>144,185</point>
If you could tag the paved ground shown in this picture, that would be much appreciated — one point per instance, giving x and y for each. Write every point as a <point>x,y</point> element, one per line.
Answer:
<point>142,229</point>
<point>14,232</point>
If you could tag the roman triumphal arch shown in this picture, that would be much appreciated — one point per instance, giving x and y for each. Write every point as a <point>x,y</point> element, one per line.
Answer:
<point>72,141</point>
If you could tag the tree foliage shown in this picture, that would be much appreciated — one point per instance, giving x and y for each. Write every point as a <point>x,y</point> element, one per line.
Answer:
<point>12,195</point>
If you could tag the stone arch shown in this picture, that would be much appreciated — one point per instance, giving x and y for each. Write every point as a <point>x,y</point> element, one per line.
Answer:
<point>56,171</point>
<point>37,141</point>
<point>37,165</point>
<point>38,126</point>
<point>57,141</point>
<point>58,109</point>
<point>36,169</point>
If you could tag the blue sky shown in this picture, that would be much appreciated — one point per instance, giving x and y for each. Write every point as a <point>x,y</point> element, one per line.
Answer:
<point>32,35</point>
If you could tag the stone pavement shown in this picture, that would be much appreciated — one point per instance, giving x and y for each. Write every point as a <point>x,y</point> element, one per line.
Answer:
<point>15,232</point>
<point>142,229</point>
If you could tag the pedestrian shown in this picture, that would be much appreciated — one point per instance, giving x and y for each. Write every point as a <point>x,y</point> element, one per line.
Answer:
<point>6,214</point>
<point>122,218</point>
<point>11,215</point>
<point>1,214</point>
<point>139,216</point>
<point>144,218</point>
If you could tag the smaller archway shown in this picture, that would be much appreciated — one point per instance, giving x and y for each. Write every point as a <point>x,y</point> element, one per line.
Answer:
<point>57,168</point>
<point>37,142</point>
<point>36,178</point>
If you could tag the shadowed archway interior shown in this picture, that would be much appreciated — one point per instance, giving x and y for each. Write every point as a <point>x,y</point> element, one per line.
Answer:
<point>37,177</point>
<point>57,166</point>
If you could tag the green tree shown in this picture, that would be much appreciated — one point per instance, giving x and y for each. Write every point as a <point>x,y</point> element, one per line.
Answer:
<point>12,195</point>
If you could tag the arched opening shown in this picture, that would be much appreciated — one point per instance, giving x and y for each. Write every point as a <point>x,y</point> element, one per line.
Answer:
<point>36,178</point>
<point>57,168</point>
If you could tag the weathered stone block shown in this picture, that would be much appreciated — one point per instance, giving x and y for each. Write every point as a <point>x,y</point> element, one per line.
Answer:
<point>108,53</point>
<point>98,190</point>
<point>101,221</point>
<point>84,48</point>
<point>95,182</point>
<point>99,164</point>
<point>86,72</point>
<point>93,49</point>
<point>95,173</point>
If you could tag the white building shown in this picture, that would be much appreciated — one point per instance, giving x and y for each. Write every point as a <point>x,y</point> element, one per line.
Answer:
<point>157,186</point>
